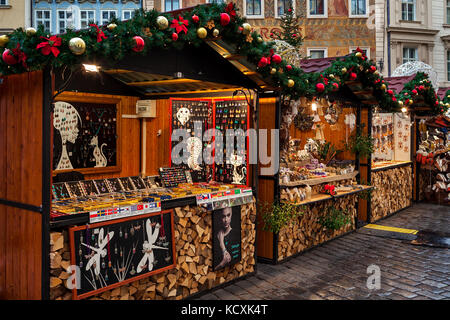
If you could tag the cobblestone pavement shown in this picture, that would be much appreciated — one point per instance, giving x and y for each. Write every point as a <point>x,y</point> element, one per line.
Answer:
<point>337,270</point>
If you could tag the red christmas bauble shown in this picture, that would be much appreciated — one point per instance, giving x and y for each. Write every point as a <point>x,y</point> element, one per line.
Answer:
<point>174,36</point>
<point>421,88</point>
<point>263,62</point>
<point>373,69</point>
<point>353,76</point>
<point>414,91</point>
<point>288,67</point>
<point>394,99</point>
<point>390,92</point>
<point>9,58</point>
<point>276,58</point>
<point>195,18</point>
<point>320,87</point>
<point>335,86</point>
<point>224,19</point>
<point>139,46</point>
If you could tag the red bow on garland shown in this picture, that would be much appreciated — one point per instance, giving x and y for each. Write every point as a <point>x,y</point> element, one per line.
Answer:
<point>180,24</point>
<point>100,33</point>
<point>50,45</point>
<point>21,56</point>
<point>230,10</point>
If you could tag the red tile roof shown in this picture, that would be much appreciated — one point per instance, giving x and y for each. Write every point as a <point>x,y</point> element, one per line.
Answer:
<point>316,65</point>
<point>441,92</point>
<point>398,83</point>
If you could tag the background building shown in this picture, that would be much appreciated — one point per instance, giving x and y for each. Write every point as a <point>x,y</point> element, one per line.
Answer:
<point>14,14</point>
<point>57,15</point>
<point>414,30</point>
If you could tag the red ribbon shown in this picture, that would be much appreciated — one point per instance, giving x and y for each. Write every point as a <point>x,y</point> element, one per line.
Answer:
<point>100,33</point>
<point>50,46</point>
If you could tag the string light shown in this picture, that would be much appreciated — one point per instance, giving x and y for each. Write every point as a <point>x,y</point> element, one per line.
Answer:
<point>91,68</point>
<point>313,106</point>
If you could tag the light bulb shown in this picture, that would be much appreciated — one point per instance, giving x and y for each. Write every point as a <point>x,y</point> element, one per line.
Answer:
<point>91,68</point>
<point>404,109</point>
<point>313,106</point>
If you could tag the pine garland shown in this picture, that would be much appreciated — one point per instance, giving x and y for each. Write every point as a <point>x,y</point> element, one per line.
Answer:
<point>118,44</point>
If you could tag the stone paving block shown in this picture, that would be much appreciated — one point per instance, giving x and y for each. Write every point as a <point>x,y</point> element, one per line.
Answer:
<point>434,283</point>
<point>225,295</point>
<point>429,295</point>
<point>404,293</point>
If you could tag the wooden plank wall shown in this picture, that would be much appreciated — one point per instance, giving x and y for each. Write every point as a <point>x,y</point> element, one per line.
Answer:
<point>266,187</point>
<point>21,181</point>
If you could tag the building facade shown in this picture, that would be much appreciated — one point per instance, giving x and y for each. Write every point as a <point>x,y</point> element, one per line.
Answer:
<point>414,30</point>
<point>57,15</point>
<point>329,27</point>
<point>14,14</point>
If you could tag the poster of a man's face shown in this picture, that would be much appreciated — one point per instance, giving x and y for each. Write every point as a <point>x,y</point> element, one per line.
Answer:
<point>226,237</point>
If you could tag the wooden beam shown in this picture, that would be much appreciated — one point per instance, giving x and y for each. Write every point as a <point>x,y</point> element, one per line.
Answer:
<point>115,71</point>
<point>190,92</point>
<point>162,82</point>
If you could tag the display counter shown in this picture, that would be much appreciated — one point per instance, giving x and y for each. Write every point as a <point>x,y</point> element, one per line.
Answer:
<point>185,258</point>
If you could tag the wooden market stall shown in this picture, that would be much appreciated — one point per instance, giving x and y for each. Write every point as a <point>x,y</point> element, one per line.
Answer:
<point>106,213</point>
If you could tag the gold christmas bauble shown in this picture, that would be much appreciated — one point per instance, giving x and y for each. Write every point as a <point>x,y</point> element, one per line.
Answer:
<point>4,39</point>
<point>30,31</point>
<point>215,32</point>
<point>331,76</point>
<point>410,102</point>
<point>202,33</point>
<point>273,71</point>
<point>383,86</point>
<point>376,73</point>
<point>400,103</point>
<point>77,46</point>
<point>358,54</point>
<point>162,22</point>
<point>247,28</point>
<point>290,83</point>
<point>260,39</point>
<point>111,26</point>
<point>344,70</point>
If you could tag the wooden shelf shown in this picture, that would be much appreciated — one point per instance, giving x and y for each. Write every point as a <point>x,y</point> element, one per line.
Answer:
<point>324,197</point>
<point>392,165</point>
<point>316,181</point>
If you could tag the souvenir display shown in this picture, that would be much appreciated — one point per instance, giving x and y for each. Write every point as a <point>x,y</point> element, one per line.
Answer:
<point>232,115</point>
<point>303,121</point>
<point>75,189</point>
<point>332,113</point>
<point>221,115</point>
<point>85,135</point>
<point>392,138</point>
<point>111,253</point>
<point>172,177</point>
<point>187,114</point>
<point>433,157</point>
<point>60,191</point>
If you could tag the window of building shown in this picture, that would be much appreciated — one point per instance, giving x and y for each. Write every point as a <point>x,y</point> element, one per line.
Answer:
<point>107,15</point>
<point>3,2</point>
<point>86,16</point>
<point>409,10</point>
<point>170,5</point>
<point>317,53</point>
<point>448,11</point>
<point>43,17</point>
<point>358,8</point>
<point>215,1</point>
<point>65,20</point>
<point>282,6</point>
<point>410,54</point>
<point>448,65</point>
<point>254,8</point>
<point>365,50</point>
<point>317,8</point>
<point>127,14</point>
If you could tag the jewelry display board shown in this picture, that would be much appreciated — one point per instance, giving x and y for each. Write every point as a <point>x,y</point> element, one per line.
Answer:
<point>172,177</point>
<point>223,115</point>
<point>114,253</point>
<point>383,133</point>
<point>85,135</point>
<point>184,114</point>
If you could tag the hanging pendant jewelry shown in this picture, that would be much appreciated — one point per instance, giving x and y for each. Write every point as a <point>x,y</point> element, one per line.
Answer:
<point>106,276</point>
<point>109,264</point>
<point>120,232</point>
<point>126,235</point>
<point>103,264</point>
<point>115,249</point>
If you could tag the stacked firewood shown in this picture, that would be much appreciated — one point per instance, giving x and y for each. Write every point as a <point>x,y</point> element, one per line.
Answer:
<point>193,272</point>
<point>306,232</point>
<point>393,191</point>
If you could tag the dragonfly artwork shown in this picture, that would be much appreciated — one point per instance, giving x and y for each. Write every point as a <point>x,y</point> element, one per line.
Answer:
<point>93,265</point>
<point>148,260</point>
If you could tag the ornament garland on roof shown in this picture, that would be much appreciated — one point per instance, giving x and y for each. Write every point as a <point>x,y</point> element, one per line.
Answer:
<point>32,50</point>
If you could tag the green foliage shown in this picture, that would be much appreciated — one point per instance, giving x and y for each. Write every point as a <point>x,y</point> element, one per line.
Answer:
<point>360,144</point>
<point>326,151</point>
<point>291,31</point>
<point>277,215</point>
<point>335,219</point>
